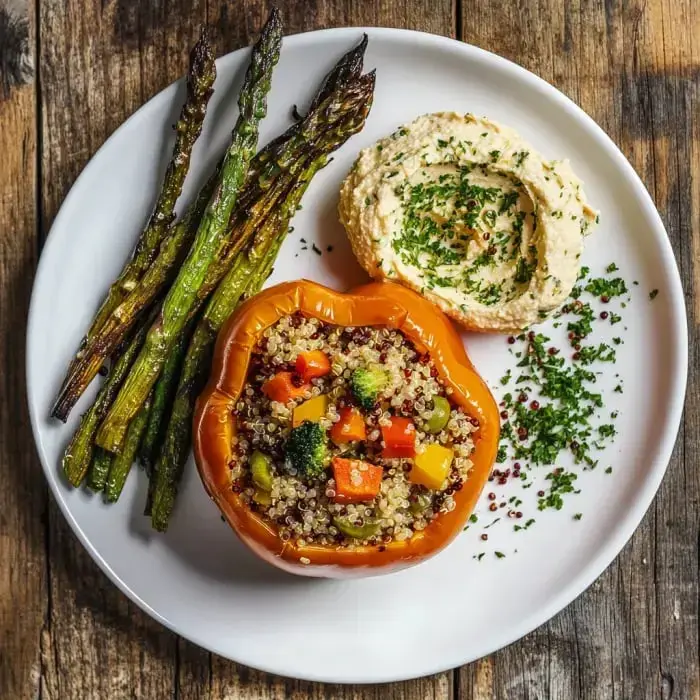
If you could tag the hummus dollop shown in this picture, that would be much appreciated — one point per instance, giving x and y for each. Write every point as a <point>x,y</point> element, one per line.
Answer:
<point>466,212</point>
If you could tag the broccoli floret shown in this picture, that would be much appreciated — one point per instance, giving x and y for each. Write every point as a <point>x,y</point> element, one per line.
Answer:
<point>307,449</point>
<point>366,383</point>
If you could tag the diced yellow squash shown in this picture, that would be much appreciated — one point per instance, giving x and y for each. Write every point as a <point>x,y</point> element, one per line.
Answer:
<point>431,467</point>
<point>312,410</point>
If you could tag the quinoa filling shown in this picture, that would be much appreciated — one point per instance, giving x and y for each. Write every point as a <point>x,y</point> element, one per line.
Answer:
<point>347,436</point>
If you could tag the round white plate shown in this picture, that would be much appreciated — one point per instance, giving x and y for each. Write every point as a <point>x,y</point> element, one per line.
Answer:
<point>198,579</point>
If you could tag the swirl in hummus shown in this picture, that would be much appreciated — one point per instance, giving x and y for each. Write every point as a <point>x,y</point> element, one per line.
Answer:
<point>470,215</point>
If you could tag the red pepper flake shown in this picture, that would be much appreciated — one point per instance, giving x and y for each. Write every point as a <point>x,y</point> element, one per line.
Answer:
<point>492,496</point>
<point>553,351</point>
<point>511,340</point>
<point>535,405</point>
<point>540,493</point>
<point>576,356</point>
<point>603,315</point>
<point>605,299</point>
<point>484,537</point>
<point>504,415</point>
<point>522,397</point>
<point>493,507</point>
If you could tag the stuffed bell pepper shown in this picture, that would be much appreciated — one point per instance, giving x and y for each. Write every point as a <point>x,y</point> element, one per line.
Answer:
<point>344,434</point>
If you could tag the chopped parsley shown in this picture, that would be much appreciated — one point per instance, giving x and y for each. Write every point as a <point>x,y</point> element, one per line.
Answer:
<point>561,482</point>
<point>602,287</point>
<point>520,157</point>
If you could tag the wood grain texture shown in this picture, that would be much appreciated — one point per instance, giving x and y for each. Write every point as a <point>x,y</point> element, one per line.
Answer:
<point>65,631</point>
<point>23,598</point>
<point>634,68</point>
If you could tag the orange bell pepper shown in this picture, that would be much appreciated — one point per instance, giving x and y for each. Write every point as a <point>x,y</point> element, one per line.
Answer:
<point>383,304</point>
<point>350,427</point>
<point>399,438</point>
<point>310,365</point>
<point>355,481</point>
<point>281,388</point>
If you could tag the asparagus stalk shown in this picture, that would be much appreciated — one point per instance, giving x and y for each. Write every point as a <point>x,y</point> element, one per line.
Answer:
<point>78,454</point>
<point>200,79</point>
<point>114,329</point>
<point>182,297</point>
<point>99,470</point>
<point>163,396</point>
<point>122,463</point>
<point>345,113</point>
<point>333,101</point>
<point>346,70</point>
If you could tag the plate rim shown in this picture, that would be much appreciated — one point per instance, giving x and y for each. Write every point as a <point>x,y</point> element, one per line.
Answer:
<point>659,463</point>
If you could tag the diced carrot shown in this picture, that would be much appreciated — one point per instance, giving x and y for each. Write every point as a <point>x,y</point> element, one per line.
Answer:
<point>355,481</point>
<point>312,364</point>
<point>350,427</point>
<point>282,388</point>
<point>399,438</point>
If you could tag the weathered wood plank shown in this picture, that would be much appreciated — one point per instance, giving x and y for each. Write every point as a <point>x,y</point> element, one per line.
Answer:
<point>22,491</point>
<point>634,68</point>
<point>99,63</point>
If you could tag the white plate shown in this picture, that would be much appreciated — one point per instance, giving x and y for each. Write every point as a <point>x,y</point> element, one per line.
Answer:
<point>198,580</point>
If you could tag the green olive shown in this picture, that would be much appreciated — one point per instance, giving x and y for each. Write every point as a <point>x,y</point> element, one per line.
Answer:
<point>440,415</point>
<point>358,532</point>
<point>261,470</point>
<point>262,498</point>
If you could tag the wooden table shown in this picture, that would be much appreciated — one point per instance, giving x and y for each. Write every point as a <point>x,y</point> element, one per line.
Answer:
<point>65,632</point>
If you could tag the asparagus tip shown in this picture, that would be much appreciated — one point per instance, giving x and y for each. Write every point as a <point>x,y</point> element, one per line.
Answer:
<point>202,74</point>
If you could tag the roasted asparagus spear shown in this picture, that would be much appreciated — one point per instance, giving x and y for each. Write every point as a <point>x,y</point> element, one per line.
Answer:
<point>200,80</point>
<point>280,155</point>
<point>183,295</point>
<point>122,463</point>
<point>79,453</point>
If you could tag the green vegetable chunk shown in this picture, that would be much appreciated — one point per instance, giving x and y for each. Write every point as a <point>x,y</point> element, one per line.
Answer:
<point>439,416</point>
<point>358,532</point>
<point>307,449</point>
<point>260,470</point>
<point>366,383</point>
<point>422,502</point>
